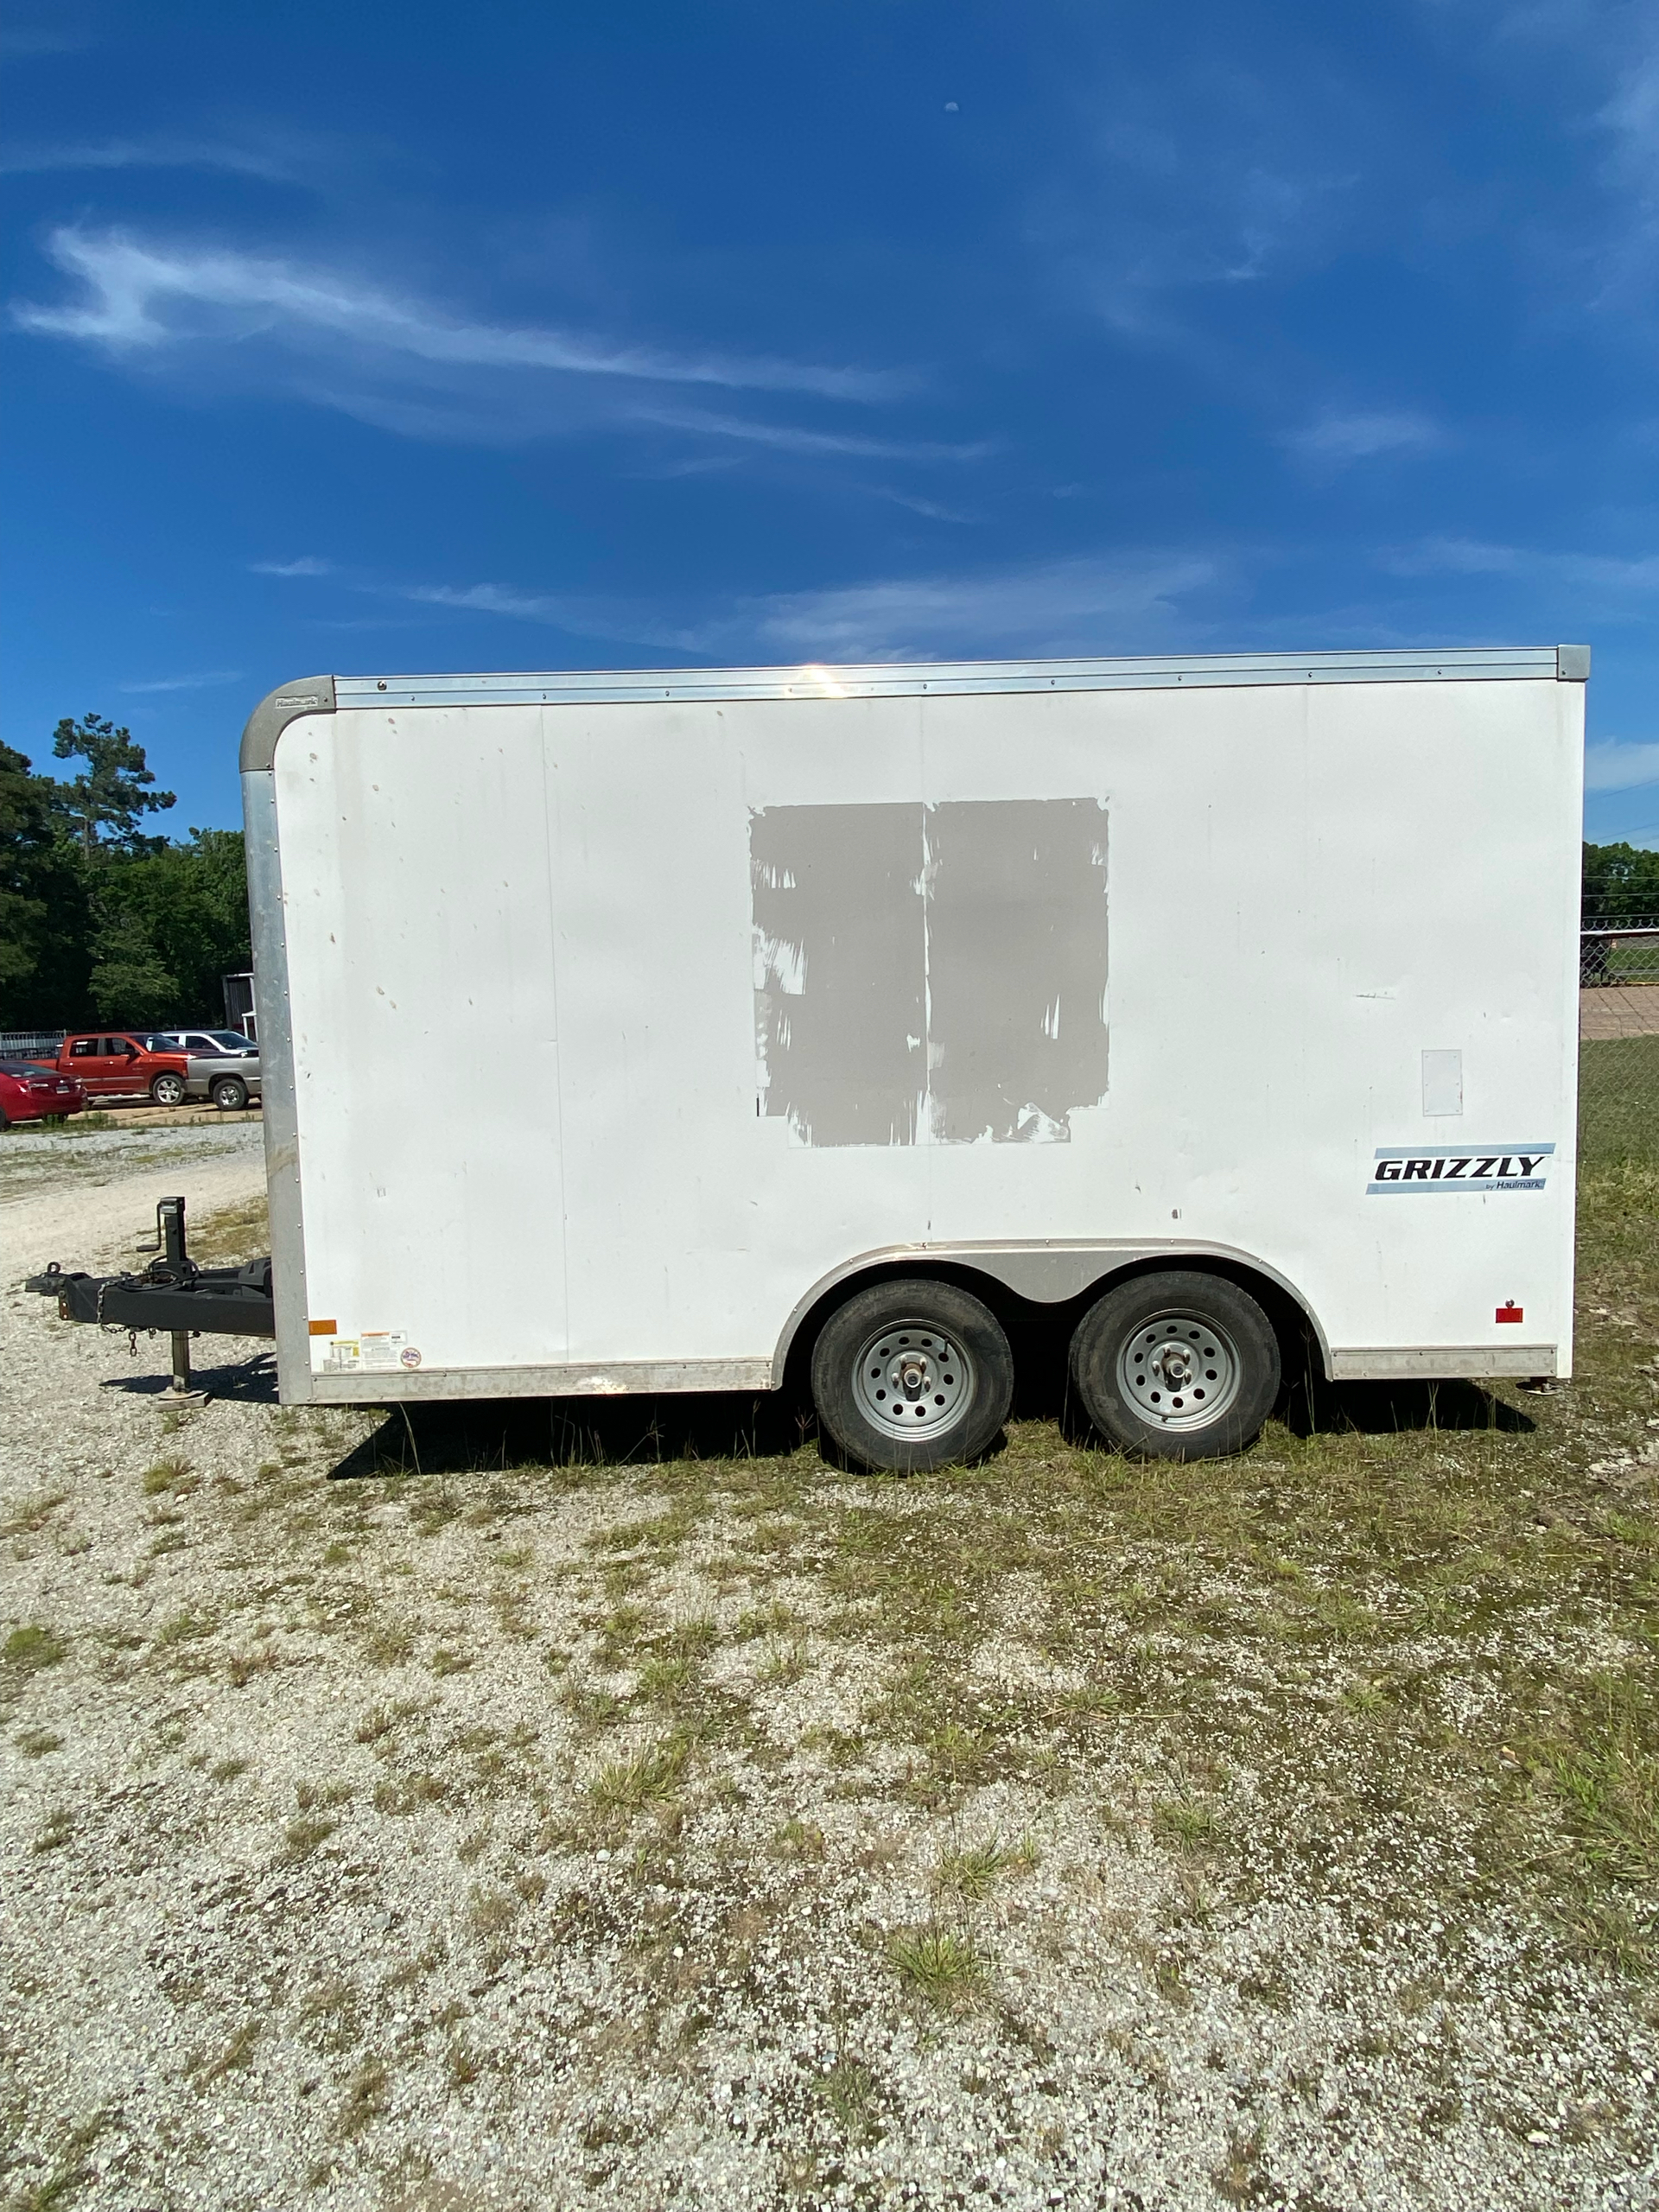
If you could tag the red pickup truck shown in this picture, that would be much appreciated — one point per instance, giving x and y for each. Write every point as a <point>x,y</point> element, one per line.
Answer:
<point>118,1064</point>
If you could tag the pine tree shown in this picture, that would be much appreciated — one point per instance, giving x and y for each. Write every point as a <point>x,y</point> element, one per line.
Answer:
<point>111,798</point>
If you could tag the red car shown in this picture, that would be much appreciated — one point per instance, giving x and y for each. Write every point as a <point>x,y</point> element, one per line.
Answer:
<point>118,1064</point>
<point>29,1092</point>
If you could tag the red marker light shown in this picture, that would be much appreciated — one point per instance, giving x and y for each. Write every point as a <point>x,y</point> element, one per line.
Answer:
<point>1509,1313</point>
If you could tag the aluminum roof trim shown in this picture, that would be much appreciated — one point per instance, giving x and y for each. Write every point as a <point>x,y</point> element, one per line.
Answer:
<point>307,695</point>
<point>606,687</point>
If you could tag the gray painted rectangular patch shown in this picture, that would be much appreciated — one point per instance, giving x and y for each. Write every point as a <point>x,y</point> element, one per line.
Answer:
<point>840,962</point>
<point>931,974</point>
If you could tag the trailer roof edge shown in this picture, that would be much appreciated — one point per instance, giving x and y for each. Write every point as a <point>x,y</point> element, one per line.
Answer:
<point>596,687</point>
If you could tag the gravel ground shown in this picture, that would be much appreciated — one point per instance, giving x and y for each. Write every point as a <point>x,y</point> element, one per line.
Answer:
<point>384,1826</point>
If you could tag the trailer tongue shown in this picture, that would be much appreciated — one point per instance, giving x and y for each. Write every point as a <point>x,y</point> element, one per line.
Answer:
<point>172,1294</point>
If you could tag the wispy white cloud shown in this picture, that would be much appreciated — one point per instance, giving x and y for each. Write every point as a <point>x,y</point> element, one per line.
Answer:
<point>564,611</point>
<point>929,508</point>
<point>223,155</point>
<point>1611,765</point>
<point>139,298</point>
<point>1076,606</point>
<point>785,438</point>
<point>308,564</point>
<point>1336,438</point>
<point>203,683</point>
<point>1613,577</point>
<point>1124,603</point>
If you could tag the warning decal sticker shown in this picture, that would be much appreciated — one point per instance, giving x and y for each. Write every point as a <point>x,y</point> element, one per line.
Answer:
<point>375,1351</point>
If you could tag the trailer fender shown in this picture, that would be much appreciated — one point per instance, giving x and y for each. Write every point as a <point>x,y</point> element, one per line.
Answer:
<point>1051,1273</point>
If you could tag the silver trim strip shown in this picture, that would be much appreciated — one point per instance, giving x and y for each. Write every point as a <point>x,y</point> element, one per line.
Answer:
<point>1448,1364</point>
<point>618,1379</point>
<point>281,1108</point>
<point>610,687</point>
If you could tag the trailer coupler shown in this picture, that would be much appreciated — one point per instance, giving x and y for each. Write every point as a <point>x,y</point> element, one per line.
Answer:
<point>172,1294</point>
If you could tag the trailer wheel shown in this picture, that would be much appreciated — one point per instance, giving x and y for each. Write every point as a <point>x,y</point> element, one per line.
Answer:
<point>1176,1366</point>
<point>167,1090</point>
<point>908,1376</point>
<point>230,1094</point>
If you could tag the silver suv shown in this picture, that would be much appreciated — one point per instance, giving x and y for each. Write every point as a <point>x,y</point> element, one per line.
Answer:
<point>222,1065</point>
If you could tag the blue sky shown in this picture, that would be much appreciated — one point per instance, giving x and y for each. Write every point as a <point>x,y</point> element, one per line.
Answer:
<point>362,338</point>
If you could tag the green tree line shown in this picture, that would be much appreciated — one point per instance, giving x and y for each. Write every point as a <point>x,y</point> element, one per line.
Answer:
<point>102,922</point>
<point>1621,883</point>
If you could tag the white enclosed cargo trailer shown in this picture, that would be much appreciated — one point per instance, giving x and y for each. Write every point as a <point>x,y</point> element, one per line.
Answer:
<point>639,1032</point>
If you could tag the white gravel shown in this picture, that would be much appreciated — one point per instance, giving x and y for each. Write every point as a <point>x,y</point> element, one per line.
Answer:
<point>85,1200</point>
<point>304,1901</point>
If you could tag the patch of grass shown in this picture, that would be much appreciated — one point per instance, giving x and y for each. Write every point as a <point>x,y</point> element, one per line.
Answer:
<point>800,1839</point>
<point>54,1831</point>
<point>367,2094</point>
<point>30,1515</point>
<point>490,1913</point>
<point>71,2170</point>
<point>619,1631</point>
<point>970,1873</point>
<point>227,1769</point>
<point>184,1627</point>
<point>958,1754</point>
<point>775,1619</point>
<point>462,2063</point>
<point>235,2057</point>
<point>640,1779</point>
<point>665,1679</point>
<point>328,2017</point>
<point>309,1796</point>
<point>1189,1823</point>
<point>1364,1698</point>
<point>410,1793</point>
<point>848,2090</point>
<point>301,1837</point>
<point>171,1478</point>
<point>36,1742</point>
<point>231,1234</point>
<point>29,1651</point>
<point>1599,1768</point>
<point>380,1721</point>
<point>784,1664</point>
<point>938,1964</point>
<point>388,1646</point>
<point>445,1661</point>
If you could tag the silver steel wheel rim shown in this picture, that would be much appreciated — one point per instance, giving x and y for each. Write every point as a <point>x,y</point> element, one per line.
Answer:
<point>912,1379</point>
<point>1179,1371</point>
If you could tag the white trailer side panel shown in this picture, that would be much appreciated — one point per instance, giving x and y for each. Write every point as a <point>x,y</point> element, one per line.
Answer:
<point>569,1115</point>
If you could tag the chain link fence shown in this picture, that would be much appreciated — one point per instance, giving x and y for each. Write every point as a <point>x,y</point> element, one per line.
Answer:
<point>1618,1039</point>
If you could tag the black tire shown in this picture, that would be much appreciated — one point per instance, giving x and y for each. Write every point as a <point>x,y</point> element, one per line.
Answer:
<point>1180,1365</point>
<point>230,1094</point>
<point>958,1376</point>
<point>167,1090</point>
